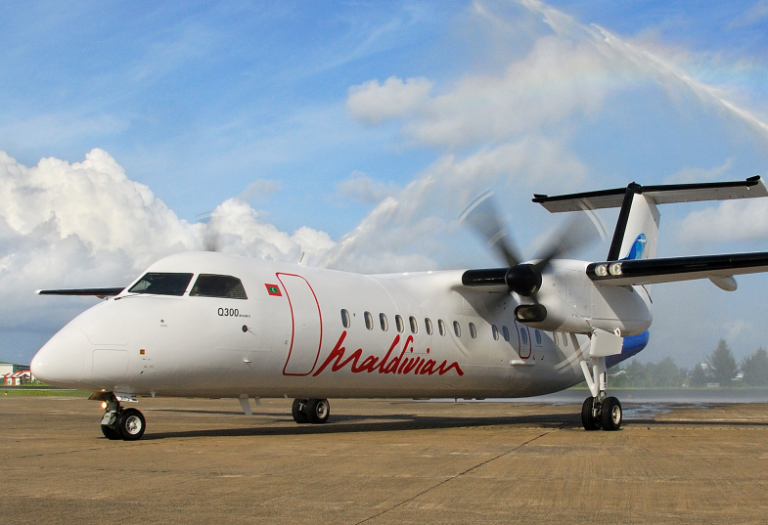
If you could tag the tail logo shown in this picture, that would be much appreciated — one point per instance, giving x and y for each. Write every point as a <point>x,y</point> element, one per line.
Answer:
<point>636,252</point>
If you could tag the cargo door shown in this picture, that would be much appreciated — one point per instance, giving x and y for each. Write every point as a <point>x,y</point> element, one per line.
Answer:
<point>306,328</point>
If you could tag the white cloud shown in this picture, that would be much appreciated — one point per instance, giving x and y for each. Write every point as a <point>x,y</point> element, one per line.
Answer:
<point>364,189</point>
<point>372,103</point>
<point>695,175</point>
<point>729,221</point>
<point>260,188</point>
<point>87,224</point>
<point>414,227</point>
<point>558,79</point>
<point>240,230</point>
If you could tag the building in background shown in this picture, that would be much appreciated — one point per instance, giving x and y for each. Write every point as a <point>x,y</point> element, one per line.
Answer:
<point>14,375</point>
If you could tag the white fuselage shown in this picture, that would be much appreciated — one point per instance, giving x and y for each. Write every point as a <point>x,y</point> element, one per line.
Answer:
<point>289,339</point>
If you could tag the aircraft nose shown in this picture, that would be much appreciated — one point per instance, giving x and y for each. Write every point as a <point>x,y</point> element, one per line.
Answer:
<point>61,361</point>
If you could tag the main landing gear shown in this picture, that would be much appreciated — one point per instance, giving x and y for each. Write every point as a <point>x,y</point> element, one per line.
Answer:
<point>127,424</point>
<point>600,410</point>
<point>310,410</point>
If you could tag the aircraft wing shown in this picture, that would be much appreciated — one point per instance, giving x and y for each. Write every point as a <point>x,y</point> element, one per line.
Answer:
<point>672,269</point>
<point>98,292</point>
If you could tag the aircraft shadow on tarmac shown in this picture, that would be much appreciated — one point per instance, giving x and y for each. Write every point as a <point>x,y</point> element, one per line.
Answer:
<point>366,423</point>
<point>403,422</point>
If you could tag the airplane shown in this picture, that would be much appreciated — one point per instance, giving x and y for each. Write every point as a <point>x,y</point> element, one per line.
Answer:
<point>210,325</point>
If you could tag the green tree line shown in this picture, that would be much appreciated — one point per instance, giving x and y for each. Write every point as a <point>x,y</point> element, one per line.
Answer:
<point>720,367</point>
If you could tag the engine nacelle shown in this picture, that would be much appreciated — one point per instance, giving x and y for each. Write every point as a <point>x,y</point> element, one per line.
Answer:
<point>569,301</point>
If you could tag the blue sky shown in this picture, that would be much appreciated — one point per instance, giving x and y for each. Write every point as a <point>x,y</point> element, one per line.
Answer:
<point>356,131</point>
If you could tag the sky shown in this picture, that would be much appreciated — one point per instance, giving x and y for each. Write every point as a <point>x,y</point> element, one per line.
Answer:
<point>356,132</point>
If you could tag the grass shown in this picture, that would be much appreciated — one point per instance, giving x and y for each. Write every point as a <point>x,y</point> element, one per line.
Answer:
<point>21,391</point>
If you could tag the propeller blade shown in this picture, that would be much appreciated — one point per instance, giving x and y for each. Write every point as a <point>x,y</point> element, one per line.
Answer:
<point>211,236</point>
<point>482,216</point>
<point>579,232</point>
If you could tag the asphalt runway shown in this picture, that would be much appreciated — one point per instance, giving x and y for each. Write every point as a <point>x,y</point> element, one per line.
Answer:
<point>375,462</point>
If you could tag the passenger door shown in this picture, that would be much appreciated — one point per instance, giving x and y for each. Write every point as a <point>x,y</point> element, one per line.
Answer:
<point>306,325</point>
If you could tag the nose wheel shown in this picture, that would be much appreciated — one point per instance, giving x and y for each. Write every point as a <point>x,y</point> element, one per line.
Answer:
<point>314,411</point>
<point>118,423</point>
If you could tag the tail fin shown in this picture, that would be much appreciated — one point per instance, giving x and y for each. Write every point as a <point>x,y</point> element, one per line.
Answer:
<point>637,228</point>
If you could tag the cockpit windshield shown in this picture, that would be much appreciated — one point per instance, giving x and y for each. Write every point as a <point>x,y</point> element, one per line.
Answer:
<point>226,286</point>
<point>162,283</point>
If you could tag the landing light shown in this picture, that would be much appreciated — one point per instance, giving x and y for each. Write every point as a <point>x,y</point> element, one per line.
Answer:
<point>601,270</point>
<point>615,269</point>
<point>104,405</point>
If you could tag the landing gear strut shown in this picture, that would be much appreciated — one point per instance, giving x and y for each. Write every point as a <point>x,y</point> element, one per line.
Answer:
<point>119,423</point>
<point>600,410</point>
<point>314,411</point>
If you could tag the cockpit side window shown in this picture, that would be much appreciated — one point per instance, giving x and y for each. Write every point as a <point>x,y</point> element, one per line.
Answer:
<point>162,283</point>
<point>225,286</point>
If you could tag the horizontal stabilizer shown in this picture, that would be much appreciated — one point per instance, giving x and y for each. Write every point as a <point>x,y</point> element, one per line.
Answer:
<point>664,194</point>
<point>98,292</point>
<point>672,269</point>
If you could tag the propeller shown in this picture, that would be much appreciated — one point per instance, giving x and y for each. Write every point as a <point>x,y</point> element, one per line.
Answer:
<point>211,237</point>
<point>523,278</point>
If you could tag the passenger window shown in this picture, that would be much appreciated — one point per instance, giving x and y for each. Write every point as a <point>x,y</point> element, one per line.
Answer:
<point>537,334</point>
<point>399,323</point>
<point>162,283</point>
<point>368,320</point>
<point>383,322</point>
<point>414,325</point>
<point>457,329</point>
<point>223,286</point>
<point>441,326</point>
<point>345,319</point>
<point>565,339</point>
<point>495,332</point>
<point>505,333</point>
<point>428,325</point>
<point>472,331</point>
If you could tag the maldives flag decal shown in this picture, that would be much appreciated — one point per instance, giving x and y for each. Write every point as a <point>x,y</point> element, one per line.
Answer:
<point>273,289</point>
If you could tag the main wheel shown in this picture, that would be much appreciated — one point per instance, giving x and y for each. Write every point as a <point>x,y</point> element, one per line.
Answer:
<point>318,410</point>
<point>131,424</point>
<point>299,411</point>
<point>588,421</point>
<point>110,433</point>
<point>611,414</point>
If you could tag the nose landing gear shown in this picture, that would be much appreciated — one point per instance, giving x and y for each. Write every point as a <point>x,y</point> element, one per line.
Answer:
<point>314,411</point>
<point>119,423</point>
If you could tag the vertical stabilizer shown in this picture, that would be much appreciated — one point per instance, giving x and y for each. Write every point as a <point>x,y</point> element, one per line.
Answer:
<point>641,234</point>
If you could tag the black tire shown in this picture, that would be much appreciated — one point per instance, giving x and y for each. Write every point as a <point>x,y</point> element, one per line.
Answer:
<point>299,411</point>
<point>588,421</point>
<point>318,410</point>
<point>131,424</point>
<point>611,415</point>
<point>110,433</point>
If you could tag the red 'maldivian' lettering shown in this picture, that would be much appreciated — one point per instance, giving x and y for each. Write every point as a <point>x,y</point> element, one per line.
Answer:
<point>398,365</point>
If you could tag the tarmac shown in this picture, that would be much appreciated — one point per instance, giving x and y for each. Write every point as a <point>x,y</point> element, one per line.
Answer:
<point>382,461</point>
